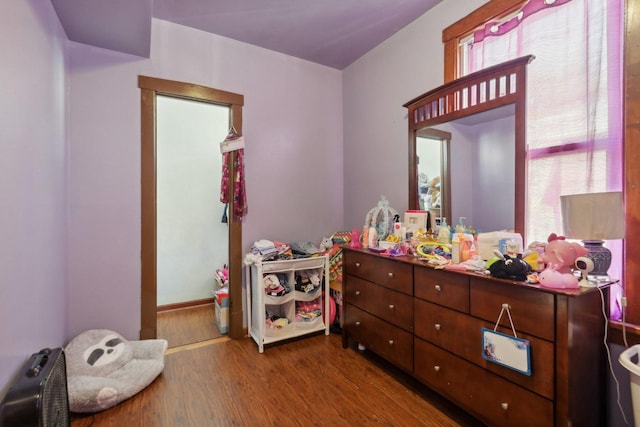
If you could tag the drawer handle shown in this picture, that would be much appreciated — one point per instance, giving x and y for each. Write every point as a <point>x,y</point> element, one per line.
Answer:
<point>391,274</point>
<point>438,288</point>
<point>437,326</point>
<point>357,293</point>
<point>391,306</point>
<point>390,342</point>
<point>357,323</point>
<point>436,368</point>
<point>357,264</point>
<point>504,405</point>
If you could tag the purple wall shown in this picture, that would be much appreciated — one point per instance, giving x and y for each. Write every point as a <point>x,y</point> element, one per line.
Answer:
<point>293,128</point>
<point>33,204</point>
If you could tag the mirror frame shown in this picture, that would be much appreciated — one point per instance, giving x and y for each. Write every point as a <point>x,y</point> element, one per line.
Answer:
<point>484,90</point>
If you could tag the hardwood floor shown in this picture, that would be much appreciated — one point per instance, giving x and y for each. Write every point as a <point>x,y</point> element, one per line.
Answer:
<point>310,381</point>
<point>188,325</point>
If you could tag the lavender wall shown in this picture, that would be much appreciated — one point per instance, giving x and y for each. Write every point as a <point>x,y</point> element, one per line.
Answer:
<point>293,128</point>
<point>374,89</point>
<point>33,157</point>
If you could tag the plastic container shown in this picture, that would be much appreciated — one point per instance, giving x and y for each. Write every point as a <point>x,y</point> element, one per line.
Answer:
<point>634,370</point>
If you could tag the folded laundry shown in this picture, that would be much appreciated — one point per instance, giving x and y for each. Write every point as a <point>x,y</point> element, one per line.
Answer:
<point>272,285</point>
<point>263,244</point>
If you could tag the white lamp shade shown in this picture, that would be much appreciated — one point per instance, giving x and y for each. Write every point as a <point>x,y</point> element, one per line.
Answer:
<point>593,216</point>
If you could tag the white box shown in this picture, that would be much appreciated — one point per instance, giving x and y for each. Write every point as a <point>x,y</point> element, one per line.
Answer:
<point>488,242</point>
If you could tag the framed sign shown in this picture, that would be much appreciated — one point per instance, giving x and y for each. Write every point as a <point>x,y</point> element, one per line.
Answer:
<point>415,220</point>
<point>505,350</point>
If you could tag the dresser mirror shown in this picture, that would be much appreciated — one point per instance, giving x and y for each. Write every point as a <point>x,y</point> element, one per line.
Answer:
<point>432,150</point>
<point>478,123</point>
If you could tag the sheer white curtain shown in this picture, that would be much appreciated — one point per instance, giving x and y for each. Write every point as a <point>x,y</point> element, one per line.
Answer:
<point>574,108</point>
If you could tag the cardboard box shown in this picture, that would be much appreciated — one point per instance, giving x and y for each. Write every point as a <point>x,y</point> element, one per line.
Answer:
<point>488,242</point>
<point>222,310</point>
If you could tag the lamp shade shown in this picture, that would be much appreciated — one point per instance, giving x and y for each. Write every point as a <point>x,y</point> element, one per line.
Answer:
<point>593,216</point>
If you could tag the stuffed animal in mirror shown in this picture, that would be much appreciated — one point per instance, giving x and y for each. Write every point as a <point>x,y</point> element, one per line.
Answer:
<point>561,253</point>
<point>507,267</point>
<point>434,193</point>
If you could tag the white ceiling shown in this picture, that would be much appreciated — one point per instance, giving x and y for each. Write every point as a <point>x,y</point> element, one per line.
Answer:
<point>334,33</point>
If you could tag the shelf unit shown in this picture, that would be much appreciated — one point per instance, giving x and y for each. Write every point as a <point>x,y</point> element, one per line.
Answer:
<point>259,302</point>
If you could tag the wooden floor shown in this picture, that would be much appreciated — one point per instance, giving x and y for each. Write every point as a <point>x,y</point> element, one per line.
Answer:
<point>311,381</point>
<point>188,325</point>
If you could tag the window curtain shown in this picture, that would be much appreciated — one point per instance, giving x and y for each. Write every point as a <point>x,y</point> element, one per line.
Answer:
<point>574,102</point>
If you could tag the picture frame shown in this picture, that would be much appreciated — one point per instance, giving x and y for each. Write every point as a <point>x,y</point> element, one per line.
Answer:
<point>506,350</point>
<point>414,220</point>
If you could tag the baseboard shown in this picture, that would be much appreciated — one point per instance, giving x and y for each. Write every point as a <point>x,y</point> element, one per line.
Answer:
<point>184,304</point>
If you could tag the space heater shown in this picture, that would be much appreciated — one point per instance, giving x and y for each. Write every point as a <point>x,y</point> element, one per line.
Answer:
<point>38,397</point>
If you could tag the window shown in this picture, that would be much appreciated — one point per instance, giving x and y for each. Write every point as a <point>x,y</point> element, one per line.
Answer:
<point>574,108</point>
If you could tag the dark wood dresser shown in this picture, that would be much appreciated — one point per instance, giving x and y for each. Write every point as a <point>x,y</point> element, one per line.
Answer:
<point>429,323</point>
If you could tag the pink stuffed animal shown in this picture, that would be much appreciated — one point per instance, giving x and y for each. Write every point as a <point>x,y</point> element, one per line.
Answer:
<point>354,243</point>
<point>562,254</point>
<point>552,278</point>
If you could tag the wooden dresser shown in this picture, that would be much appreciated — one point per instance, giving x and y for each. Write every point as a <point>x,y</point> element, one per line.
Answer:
<point>429,323</point>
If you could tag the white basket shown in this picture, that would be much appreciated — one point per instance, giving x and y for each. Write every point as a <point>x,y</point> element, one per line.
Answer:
<point>634,370</point>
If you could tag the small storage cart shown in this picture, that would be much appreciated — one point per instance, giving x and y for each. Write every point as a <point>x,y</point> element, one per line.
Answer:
<point>285,299</point>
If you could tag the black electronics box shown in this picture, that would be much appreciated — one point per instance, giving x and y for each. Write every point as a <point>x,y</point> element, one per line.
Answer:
<point>38,396</point>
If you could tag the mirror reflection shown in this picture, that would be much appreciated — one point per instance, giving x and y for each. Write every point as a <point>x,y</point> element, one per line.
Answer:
<point>432,162</point>
<point>480,185</point>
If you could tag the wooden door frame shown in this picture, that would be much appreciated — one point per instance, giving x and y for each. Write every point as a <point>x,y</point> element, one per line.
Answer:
<point>150,87</point>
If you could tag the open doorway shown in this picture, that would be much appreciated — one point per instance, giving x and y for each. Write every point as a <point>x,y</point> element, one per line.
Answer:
<point>192,240</point>
<point>151,88</point>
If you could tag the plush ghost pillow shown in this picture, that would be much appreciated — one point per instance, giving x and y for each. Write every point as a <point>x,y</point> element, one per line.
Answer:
<point>103,368</point>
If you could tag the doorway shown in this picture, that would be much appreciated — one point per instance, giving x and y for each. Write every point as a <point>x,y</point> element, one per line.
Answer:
<point>192,240</point>
<point>151,88</point>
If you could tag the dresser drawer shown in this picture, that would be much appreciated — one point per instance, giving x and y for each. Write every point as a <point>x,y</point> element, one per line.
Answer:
<point>462,334</point>
<point>375,268</point>
<point>388,341</point>
<point>392,306</point>
<point>492,399</point>
<point>532,311</point>
<point>444,288</point>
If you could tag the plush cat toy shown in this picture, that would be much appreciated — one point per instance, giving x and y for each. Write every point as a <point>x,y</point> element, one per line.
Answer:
<point>506,267</point>
<point>103,368</point>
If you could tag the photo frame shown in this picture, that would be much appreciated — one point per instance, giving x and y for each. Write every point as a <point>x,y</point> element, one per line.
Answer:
<point>506,350</point>
<point>415,219</point>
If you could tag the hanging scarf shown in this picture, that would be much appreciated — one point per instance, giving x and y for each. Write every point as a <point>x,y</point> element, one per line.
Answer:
<point>239,202</point>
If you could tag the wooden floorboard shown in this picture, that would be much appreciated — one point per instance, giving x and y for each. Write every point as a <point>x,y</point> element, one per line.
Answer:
<point>311,381</point>
<point>188,325</point>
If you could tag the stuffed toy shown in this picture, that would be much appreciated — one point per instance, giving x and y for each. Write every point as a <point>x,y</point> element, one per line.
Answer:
<point>552,278</point>
<point>562,254</point>
<point>222,276</point>
<point>434,193</point>
<point>326,244</point>
<point>507,267</point>
<point>354,243</point>
<point>103,368</point>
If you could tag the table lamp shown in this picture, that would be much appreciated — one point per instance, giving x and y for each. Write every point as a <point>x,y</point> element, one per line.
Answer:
<point>593,218</point>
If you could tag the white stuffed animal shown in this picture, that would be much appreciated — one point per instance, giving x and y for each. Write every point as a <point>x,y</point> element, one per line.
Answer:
<point>103,368</point>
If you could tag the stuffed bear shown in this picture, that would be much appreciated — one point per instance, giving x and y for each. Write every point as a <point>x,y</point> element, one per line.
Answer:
<point>434,193</point>
<point>103,368</point>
